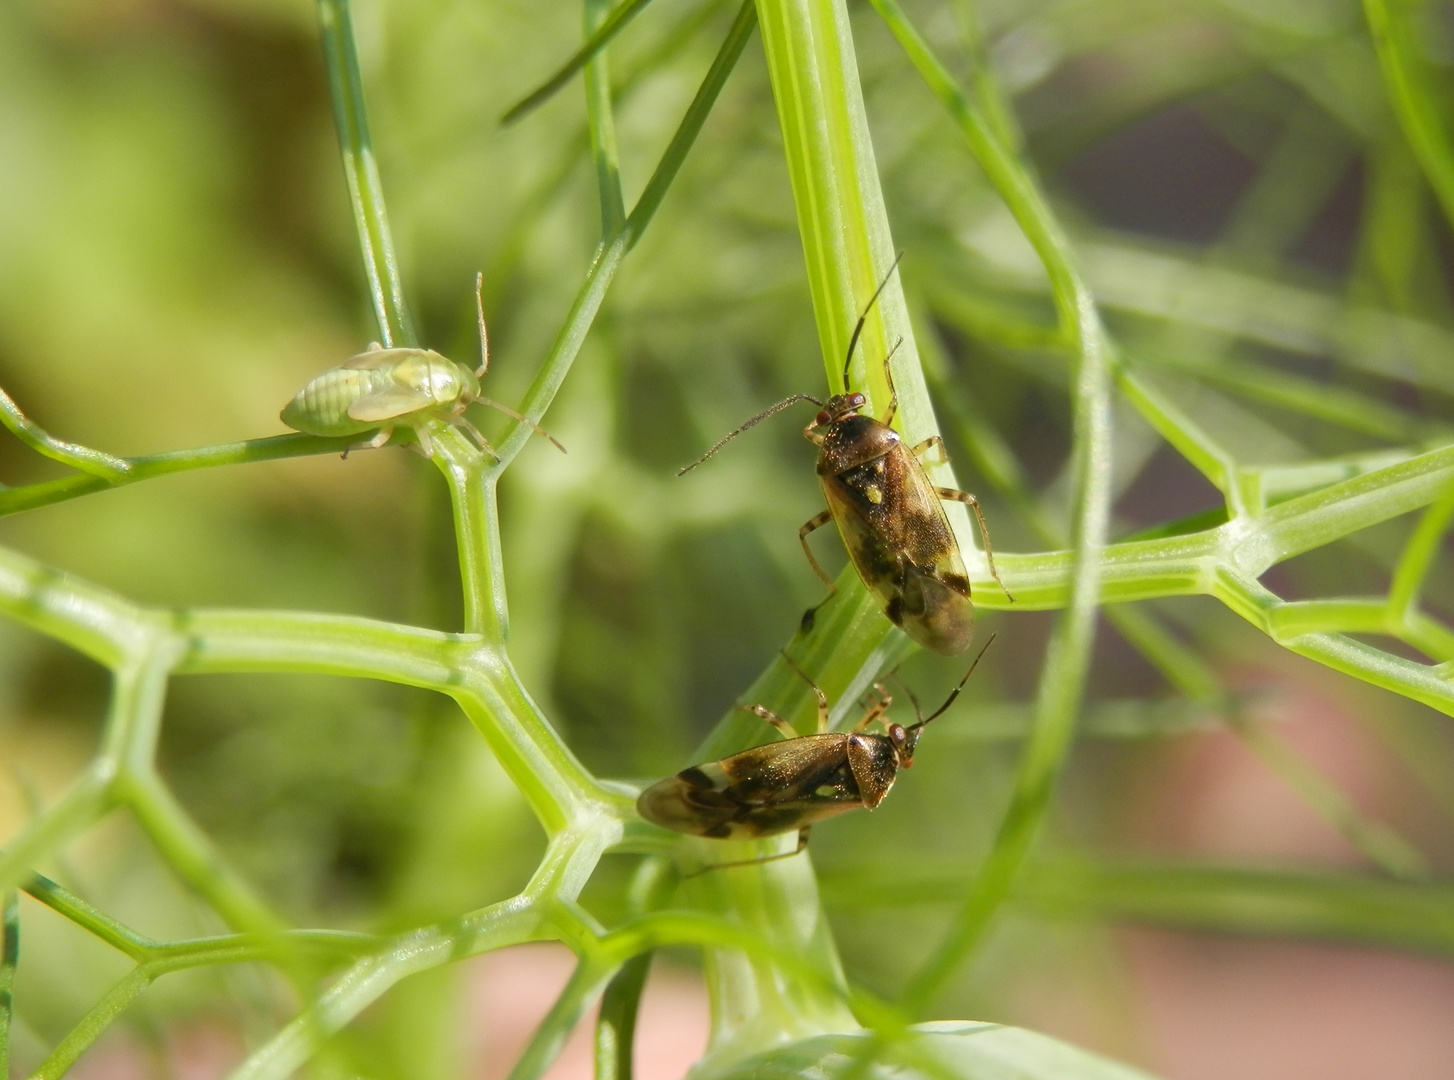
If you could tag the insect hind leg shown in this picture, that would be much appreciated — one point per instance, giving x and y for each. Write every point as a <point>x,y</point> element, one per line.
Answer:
<point>802,846</point>
<point>817,692</point>
<point>785,729</point>
<point>808,527</point>
<point>954,495</point>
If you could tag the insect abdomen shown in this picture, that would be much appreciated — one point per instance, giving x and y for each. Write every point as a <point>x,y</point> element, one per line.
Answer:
<point>321,407</point>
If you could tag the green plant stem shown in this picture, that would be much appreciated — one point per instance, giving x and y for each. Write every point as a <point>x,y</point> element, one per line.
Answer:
<point>361,171</point>
<point>611,251</point>
<point>585,986</point>
<point>599,33</point>
<point>9,962</point>
<point>95,1022</point>
<point>1068,655</point>
<point>149,467</point>
<point>616,1025</point>
<point>97,923</point>
<point>1237,900</point>
<point>1413,92</point>
<point>599,118</point>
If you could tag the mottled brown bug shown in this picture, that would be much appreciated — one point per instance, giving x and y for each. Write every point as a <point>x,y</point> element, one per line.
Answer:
<point>793,784</point>
<point>888,512</point>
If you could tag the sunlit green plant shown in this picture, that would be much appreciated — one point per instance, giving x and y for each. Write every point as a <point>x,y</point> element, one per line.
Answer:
<point>780,998</point>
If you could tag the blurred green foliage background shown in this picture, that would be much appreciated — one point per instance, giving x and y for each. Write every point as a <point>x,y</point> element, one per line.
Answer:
<point>176,259</point>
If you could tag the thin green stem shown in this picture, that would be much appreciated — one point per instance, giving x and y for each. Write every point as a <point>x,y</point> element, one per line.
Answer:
<point>191,855</point>
<point>1068,656</point>
<point>10,961</point>
<point>1413,92</point>
<point>510,922</point>
<point>585,986</point>
<point>599,116</point>
<point>273,448</point>
<point>79,1039</point>
<point>1389,850</point>
<point>101,466</point>
<point>1418,557</point>
<point>599,34</point>
<point>610,252</point>
<point>616,1024</point>
<point>361,171</point>
<point>95,922</point>
<point>88,799</point>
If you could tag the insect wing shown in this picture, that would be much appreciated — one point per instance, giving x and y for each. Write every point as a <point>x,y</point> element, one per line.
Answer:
<point>899,539</point>
<point>388,403</point>
<point>380,359</point>
<point>760,792</point>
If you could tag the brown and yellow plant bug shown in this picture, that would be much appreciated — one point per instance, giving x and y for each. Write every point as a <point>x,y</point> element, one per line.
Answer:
<point>887,511</point>
<point>793,784</point>
<point>384,388</point>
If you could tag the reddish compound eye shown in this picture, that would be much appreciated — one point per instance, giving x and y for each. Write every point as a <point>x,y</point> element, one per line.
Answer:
<point>858,401</point>
<point>897,733</point>
<point>823,417</point>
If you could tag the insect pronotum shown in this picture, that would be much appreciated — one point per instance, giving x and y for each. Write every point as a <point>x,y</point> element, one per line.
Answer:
<point>887,511</point>
<point>793,784</point>
<point>385,388</point>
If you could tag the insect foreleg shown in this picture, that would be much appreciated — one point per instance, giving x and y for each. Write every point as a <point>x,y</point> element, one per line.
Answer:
<point>877,709</point>
<point>953,495</point>
<point>802,846</point>
<point>784,728</point>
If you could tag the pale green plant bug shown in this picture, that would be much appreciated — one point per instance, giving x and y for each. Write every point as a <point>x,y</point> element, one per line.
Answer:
<point>384,388</point>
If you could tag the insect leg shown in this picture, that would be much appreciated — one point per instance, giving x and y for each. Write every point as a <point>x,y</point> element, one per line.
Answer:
<point>817,691</point>
<point>380,437</point>
<point>888,417</point>
<point>877,709</point>
<point>784,728</point>
<point>474,433</point>
<point>920,449</point>
<point>808,526</point>
<point>802,846</point>
<point>951,495</point>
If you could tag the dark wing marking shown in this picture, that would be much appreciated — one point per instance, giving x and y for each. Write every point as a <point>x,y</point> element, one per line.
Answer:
<point>760,792</point>
<point>899,539</point>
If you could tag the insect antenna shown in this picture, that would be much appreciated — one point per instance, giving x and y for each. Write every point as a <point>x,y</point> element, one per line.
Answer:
<point>484,338</point>
<point>955,692</point>
<point>492,403</point>
<point>858,329</point>
<point>725,439</point>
